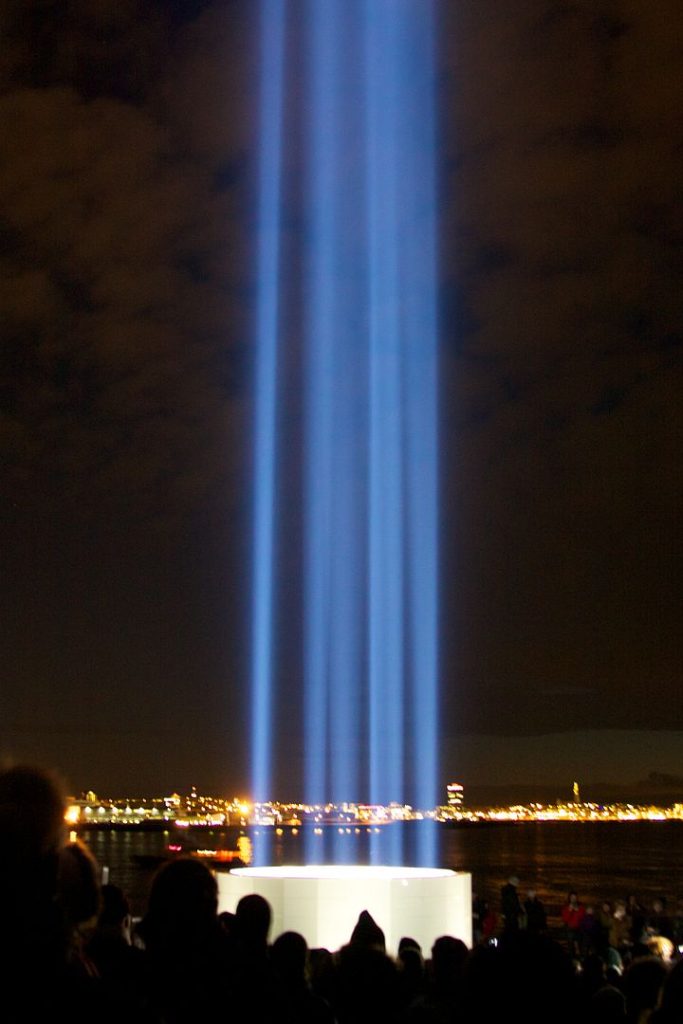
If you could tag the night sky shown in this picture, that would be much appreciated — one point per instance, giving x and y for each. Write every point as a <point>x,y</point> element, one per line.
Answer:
<point>126,297</point>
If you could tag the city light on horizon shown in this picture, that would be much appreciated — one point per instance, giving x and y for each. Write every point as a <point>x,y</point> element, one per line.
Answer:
<point>206,811</point>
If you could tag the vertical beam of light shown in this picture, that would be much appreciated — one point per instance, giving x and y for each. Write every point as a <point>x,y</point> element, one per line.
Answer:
<point>271,65</point>
<point>419,275</point>
<point>318,403</point>
<point>385,486</point>
<point>334,456</point>
<point>366,268</point>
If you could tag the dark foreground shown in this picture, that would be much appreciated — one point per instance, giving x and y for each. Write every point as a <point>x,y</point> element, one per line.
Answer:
<point>69,950</point>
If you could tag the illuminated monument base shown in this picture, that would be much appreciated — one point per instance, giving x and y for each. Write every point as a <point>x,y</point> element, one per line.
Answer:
<point>323,902</point>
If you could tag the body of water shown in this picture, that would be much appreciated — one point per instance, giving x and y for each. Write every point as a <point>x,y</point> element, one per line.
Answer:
<point>600,860</point>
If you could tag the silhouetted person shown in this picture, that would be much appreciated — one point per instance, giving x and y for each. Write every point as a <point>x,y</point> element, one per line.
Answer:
<point>592,977</point>
<point>188,953</point>
<point>366,987</point>
<point>489,925</point>
<point>484,997</point>
<point>600,1001</point>
<point>411,972</point>
<point>46,893</point>
<point>406,942</point>
<point>619,935</point>
<point>538,983</point>
<point>479,908</point>
<point>448,958</point>
<point>252,921</point>
<point>643,980</point>
<point>121,965</point>
<point>251,928</point>
<point>295,1002</point>
<point>677,923</point>
<point>510,905</point>
<point>536,918</point>
<point>368,933</point>
<point>605,921</point>
<point>606,1006</point>
<point>79,889</point>
<point>636,916</point>
<point>443,998</point>
<point>573,913</point>
<point>322,973</point>
<point>670,1010</point>
<point>590,933</point>
<point>658,921</point>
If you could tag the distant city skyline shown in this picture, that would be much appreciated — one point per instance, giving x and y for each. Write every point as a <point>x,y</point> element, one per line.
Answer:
<point>202,811</point>
<point>656,787</point>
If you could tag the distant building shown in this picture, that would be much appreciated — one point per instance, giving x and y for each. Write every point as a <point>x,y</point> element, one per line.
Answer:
<point>577,794</point>
<point>456,795</point>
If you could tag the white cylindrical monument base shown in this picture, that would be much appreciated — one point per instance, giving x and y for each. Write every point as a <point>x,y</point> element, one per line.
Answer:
<point>323,902</point>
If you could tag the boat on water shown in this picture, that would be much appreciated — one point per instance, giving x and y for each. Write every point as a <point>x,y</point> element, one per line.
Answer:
<point>228,852</point>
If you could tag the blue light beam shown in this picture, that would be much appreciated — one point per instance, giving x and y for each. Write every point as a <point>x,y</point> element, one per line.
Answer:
<point>272,27</point>
<point>365,264</point>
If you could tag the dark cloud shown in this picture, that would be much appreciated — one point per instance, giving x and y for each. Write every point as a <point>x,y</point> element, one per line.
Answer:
<point>562,212</point>
<point>118,350</point>
<point>126,238</point>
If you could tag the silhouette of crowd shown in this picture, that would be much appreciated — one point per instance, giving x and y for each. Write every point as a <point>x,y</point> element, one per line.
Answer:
<point>69,950</point>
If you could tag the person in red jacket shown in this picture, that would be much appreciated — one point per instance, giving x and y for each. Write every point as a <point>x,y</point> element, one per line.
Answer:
<point>573,914</point>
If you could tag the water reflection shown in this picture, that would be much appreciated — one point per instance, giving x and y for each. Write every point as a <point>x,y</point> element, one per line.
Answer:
<point>600,860</point>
